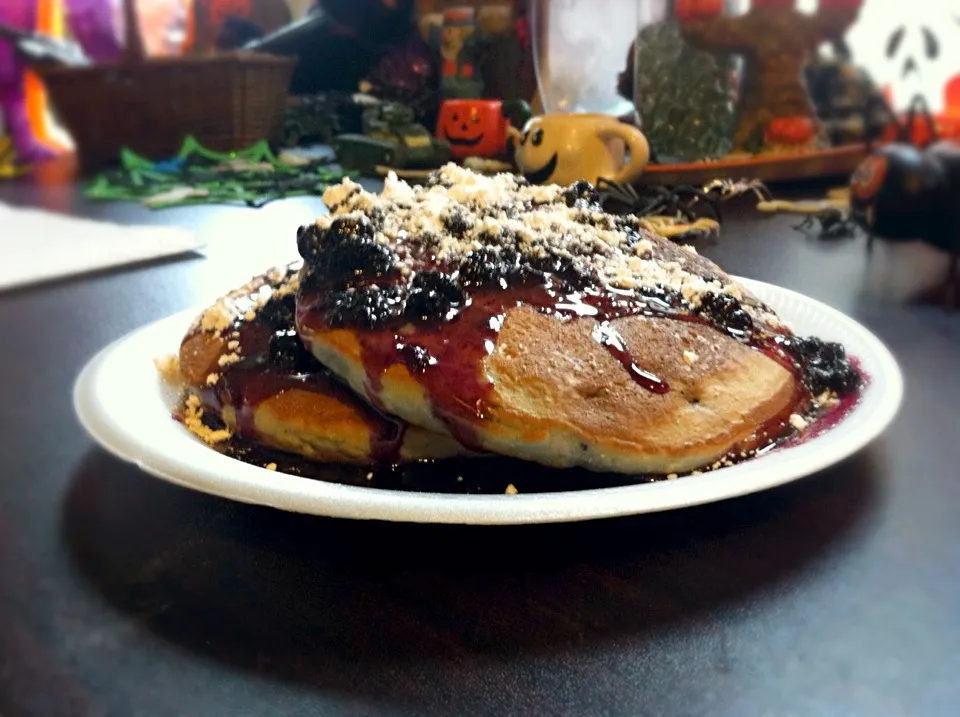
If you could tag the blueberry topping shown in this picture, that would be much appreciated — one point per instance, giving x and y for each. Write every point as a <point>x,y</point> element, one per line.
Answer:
<point>288,354</point>
<point>799,347</point>
<point>366,307</point>
<point>628,223</point>
<point>456,223</point>
<point>661,299</point>
<point>433,295</point>
<point>278,313</point>
<point>630,235</point>
<point>350,227</point>
<point>490,237</point>
<point>308,241</point>
<point>376,216</point>
<point>343,253</point>
<point>416,358</point>
<point>824,363</point>
<point>726,313</point>
<point>482,267</point>
<point>833,352</point>
<point>840,379</point>
<point>349,260</point>
<point>560,267</point>
<point>582,194</point>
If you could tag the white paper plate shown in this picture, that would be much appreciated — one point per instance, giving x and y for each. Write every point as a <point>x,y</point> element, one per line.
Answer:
<point>125,407</point>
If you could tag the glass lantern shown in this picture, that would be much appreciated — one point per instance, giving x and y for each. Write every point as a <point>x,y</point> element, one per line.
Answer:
<point>579,48</point>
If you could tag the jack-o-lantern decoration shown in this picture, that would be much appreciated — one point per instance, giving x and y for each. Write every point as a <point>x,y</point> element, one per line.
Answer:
<point>473,128</point>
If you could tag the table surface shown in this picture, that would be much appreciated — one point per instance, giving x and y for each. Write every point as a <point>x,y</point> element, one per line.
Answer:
<point>121,595</point>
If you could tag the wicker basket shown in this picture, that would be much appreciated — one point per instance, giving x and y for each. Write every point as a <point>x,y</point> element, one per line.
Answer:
<point>226,101</point>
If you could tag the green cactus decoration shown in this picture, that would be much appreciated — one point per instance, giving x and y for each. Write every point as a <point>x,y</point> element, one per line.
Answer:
<point>684,96</point>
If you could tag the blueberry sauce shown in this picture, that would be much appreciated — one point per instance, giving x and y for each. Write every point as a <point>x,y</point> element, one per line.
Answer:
<point>486,475</point>
<point>446,355</point>
<point>274,360</point>
<point>441,320</point>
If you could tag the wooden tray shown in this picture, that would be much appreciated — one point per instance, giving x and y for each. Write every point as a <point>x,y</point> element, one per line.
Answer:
<point>768,168</point>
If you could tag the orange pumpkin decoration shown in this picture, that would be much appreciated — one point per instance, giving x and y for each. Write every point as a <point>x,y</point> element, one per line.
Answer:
<point>686,10</point>
<point>789,130</point>
<point>473,128</point>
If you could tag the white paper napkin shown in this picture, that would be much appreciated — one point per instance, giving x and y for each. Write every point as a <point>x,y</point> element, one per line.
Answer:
<point>37,245</point>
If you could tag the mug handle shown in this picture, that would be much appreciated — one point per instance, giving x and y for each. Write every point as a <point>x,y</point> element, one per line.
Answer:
<point>637,145</point>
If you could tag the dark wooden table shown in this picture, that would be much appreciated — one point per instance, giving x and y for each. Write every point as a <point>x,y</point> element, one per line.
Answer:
<point>121,595</point>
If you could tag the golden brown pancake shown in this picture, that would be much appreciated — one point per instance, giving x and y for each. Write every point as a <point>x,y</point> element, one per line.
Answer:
<point>525,321</point>
<point>244,363</point>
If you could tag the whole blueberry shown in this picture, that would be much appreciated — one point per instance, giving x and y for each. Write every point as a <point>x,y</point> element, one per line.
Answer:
<point>278,313</point>
<point>308,241</point>
<point>352,259</point>
<point>432,296</point>
<point>481,267</point>
<point>288,354</point>
<point>456,223</point>
<point>582,194</point>
<point>350,226</point>
<point>366,307</point>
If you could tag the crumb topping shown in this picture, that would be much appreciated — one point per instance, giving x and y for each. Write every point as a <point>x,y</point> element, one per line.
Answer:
<point>169,368</point>
<point>193,420</point>
<point>463,212</point>
<point>413,255</point>
<point>243,305</point>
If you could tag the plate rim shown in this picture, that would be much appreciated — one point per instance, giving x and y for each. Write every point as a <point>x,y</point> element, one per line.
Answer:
<point>245,483</point>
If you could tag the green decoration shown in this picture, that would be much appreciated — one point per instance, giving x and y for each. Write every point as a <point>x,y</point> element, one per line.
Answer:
<point>683,95</point>
<point>196,175</point>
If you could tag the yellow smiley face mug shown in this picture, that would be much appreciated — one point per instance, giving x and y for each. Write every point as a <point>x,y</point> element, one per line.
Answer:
<point>562,148</point>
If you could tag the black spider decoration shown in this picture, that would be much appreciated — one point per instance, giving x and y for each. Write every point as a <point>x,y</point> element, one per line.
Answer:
<point>684,201</point>
<point>830,223</point>
<point>902,192</point>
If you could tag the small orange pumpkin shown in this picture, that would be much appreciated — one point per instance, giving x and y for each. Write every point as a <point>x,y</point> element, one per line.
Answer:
<point>473,128</point>
<point>686,10</point>
<point>789,130</point>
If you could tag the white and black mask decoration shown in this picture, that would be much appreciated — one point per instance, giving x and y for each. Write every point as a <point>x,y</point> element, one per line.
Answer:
<point>912,48</point>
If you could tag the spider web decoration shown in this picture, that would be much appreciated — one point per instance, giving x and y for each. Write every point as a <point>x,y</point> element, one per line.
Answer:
<point>197,175</point>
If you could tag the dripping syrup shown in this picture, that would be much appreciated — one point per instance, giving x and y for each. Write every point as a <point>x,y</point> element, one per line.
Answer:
<point>446,356</point>
<point>490,475</point>
<point>248,383</point>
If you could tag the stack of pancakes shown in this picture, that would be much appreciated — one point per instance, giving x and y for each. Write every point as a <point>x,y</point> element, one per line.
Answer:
<point>481,315</point>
